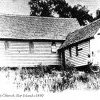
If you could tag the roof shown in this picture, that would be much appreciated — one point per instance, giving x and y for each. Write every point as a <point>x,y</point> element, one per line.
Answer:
<point>32,27</point>
<point>87,32</point>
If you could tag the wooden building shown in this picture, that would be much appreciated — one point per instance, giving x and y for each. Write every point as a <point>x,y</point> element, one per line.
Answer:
<point>83,45</point>
<point>26,41</point>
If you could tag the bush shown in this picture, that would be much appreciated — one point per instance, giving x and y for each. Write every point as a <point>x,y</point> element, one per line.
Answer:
<point>83,78</point>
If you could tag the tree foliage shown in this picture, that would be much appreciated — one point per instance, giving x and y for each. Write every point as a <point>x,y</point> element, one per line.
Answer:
<point>82,14</point>
<point>48,8</point>
<point>40,8</point>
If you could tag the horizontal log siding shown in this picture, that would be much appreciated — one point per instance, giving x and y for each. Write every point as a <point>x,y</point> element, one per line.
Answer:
<point>18,54</point>
<point>81,59</point>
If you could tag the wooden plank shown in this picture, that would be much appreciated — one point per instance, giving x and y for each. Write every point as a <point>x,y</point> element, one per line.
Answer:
<point>81,59</point>
<point>18,54</point>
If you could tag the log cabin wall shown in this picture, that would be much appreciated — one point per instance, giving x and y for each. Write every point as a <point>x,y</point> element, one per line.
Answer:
<point>28,54</point>
<point>78,54</point>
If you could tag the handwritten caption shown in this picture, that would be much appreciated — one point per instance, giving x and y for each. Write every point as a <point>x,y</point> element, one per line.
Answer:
<point>21,95</point>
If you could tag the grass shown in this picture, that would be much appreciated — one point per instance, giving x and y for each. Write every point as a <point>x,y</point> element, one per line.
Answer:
<point>41,80</point>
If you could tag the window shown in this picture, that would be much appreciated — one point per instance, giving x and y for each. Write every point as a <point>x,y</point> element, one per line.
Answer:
<point>53,47</point>
<point>31,46</point>
<point>98,33</point>
<point>70,52</point>
<point>77,50</point>
<point>6,45</point>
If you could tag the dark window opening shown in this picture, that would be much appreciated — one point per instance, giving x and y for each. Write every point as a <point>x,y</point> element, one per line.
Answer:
<point>77,50</point>
<point>70,53</point>
<point>98,33</point>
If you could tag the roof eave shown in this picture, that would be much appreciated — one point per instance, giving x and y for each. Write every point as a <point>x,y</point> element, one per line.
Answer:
<point>73,44</point>
<point>13,39</point>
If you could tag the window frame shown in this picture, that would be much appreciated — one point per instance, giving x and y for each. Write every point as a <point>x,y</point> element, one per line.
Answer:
<point>6,43</point>
<point>53,45</point>
<point>70,51</point>
<point>31,46</point>
<point>77,50</point>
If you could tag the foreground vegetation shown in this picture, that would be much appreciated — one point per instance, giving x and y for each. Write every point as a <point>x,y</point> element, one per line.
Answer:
<point>42,79</point>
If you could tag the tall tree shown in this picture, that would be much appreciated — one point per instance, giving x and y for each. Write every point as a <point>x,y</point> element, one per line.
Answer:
<point>46,8</point>
<point>62,8</point>
<point>82,14</point>
<point>40,8</point>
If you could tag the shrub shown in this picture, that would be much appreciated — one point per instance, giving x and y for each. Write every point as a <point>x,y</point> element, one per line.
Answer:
<point>83,78</point>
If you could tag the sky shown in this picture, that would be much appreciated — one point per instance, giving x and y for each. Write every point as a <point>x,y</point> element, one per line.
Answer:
<point>14,7</point>
<point>21,6</point>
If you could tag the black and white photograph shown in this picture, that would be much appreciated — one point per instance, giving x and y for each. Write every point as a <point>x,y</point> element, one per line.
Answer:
<point>49,47</point>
